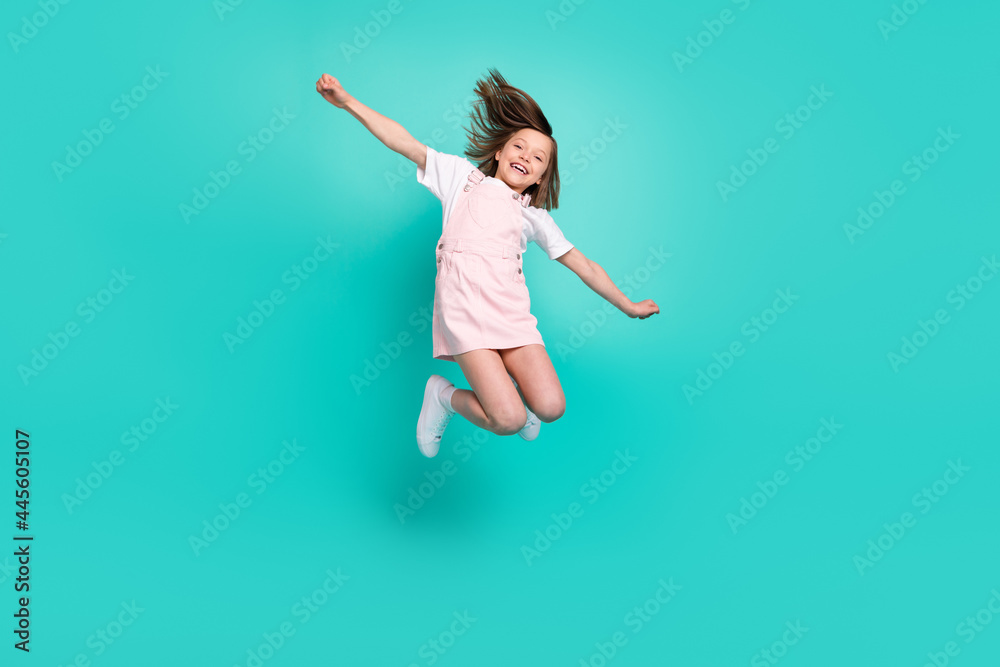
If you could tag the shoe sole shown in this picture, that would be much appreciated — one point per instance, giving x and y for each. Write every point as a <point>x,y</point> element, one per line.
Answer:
<point>433,384</point>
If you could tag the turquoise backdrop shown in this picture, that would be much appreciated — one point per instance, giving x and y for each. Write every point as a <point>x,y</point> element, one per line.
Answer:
<point>215,289</point>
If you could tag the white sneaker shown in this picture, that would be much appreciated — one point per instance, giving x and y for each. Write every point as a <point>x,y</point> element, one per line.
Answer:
<point>434,417</point>
<point>531,427</point>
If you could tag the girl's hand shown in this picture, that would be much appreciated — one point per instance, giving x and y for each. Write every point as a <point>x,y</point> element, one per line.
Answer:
<point>643,309</point>
<point>332,91</point>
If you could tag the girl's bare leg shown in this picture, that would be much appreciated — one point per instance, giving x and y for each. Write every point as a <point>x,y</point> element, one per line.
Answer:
<point>536,379</point>
<point>494,403</point>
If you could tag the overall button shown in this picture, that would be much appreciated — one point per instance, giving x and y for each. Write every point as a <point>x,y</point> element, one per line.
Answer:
<point>439,259</point>
<point>519,270</point>
<point>440,245</point>
<point>519,255</point>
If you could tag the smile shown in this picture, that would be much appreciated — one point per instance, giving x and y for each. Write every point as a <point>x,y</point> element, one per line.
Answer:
<point>519,167</point>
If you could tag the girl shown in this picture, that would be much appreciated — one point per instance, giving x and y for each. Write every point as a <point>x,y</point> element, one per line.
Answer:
<point>482,318</point>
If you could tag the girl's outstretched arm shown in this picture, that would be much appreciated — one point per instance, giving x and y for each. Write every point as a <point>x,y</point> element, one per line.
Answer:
<point>597,279</point>
<point>386,130</point>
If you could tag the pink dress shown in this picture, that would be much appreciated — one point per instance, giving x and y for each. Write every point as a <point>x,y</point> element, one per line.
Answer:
<point>480,298</point>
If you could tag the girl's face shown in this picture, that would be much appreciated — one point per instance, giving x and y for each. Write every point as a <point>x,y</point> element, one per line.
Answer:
<point>523,159</point>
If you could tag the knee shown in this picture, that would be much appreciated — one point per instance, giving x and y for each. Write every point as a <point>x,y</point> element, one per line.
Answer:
<point>550,409</point>
<point>509,420</point>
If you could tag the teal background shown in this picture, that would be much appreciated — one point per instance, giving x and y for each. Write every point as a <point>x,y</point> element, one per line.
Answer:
<point>655,185</point>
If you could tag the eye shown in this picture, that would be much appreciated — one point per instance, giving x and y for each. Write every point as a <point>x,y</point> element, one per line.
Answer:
<point>538,158</point>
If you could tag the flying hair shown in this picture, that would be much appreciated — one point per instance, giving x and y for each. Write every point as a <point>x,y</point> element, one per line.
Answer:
<point>498,112</point>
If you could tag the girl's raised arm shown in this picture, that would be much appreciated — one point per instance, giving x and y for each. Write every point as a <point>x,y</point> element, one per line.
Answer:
<point>597,279</point>
<point>386,130</point>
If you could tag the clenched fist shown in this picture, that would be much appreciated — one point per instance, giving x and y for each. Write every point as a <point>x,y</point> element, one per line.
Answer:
<point>332,91</point>
<point>643,309</point>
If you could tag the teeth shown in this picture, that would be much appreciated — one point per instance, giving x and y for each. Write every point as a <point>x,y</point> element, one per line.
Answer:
<point>520,168</point>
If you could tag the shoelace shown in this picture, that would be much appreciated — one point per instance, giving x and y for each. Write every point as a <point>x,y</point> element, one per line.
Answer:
<point>441,423</point>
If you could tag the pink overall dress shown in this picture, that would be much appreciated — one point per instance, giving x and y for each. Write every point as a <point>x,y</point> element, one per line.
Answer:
<point>480,299</point>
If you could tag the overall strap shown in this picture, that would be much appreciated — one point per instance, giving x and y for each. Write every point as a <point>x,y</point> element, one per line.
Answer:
<point>475,178</point>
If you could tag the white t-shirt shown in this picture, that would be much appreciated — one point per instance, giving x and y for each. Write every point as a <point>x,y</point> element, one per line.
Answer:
<point>446,175</point>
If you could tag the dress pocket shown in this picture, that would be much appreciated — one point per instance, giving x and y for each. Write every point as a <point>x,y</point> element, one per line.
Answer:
<point>488,208</point>
<point>458,277</point>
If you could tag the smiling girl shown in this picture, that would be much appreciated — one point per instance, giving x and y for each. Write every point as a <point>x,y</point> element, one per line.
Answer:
<point>482,317</point>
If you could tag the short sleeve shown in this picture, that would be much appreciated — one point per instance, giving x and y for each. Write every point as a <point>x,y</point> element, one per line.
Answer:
<point>444,174</point>
<point>543,230</point>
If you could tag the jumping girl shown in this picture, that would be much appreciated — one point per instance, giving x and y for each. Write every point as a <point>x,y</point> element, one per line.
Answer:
<point>482,318</point>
